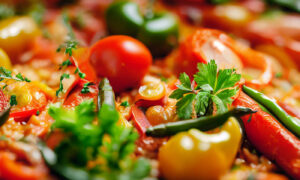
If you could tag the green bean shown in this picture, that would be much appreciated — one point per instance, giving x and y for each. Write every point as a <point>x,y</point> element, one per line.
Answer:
<point>106,94</point>
<point>291,123</point>
<point>204,123</point>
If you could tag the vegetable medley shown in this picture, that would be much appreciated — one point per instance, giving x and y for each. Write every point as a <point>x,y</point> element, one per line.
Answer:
<point>145,89</point>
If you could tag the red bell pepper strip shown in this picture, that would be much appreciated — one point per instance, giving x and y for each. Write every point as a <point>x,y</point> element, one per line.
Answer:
<point>140,120</point>
<point>270,137</point>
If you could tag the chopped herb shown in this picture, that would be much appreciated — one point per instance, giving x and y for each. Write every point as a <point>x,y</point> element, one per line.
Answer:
<point>4,86</point>
<point>213,87</point>
<point>86,141</point>
<point>278,75</point>
<point>6,74</point>
<point>66,63</point>
<point>37,113</point>
<point>164,79</point>
<point>13,100</point>
<point>81,74</point>
<point>22,78</point>
<point>61,86</point>
<point>85,88</point>
<point>250,118</point>
<point>125,104</point>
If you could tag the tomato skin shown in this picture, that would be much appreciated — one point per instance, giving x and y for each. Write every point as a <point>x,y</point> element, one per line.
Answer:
<point>122,59</point>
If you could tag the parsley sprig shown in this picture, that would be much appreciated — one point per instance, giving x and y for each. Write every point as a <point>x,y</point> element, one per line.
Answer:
<point>213,87</point>
<point>105,142</point>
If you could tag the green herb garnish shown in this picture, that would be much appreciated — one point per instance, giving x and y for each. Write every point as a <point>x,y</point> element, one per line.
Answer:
<point>85,88</point>
<point>86,141</point>
<point>213,88</point>
<point>61,86</point>
<point>13,100</point>
<point>125,104</point>
<point>6,74</point>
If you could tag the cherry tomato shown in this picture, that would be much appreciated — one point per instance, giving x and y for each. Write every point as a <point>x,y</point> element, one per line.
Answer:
<point>122,59</point>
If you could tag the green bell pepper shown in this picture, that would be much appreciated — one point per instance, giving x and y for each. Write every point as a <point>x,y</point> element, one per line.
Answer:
<point>124,17</point>
<point>160,33</point>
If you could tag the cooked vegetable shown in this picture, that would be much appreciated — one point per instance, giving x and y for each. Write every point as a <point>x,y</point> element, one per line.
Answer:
<point>4,60</point>
<point>270,137</point>
<point>213,86</point>
<point>160,33</point>
<point>139,119</point>
<point>10,168</point>
<point>152,91</point>
<point>292,123</point>
<point>16,33</point>
<point>203,123</point>
<point>4,108</point>
<point>124,17</point>
<point>122,59</point>
<point>197,155</point>
<point>106,94</point>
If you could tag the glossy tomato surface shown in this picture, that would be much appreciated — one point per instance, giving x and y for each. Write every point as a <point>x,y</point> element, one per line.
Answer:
<point>122,59</point>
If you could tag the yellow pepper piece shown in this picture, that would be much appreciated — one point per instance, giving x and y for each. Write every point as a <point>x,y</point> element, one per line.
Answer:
<point>43,87</point>
<point>4,60</point>
<point>198,155</point>
<point>16,33</point>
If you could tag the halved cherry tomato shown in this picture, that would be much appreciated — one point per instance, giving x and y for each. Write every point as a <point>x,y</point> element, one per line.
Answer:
<point>152,91</point>
<point>10,168</point>
<point>122,59</point>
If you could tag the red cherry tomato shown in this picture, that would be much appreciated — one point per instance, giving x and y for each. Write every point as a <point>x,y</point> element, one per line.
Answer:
<point>122,59</point>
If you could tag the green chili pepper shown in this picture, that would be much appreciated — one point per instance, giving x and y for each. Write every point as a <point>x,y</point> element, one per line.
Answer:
<point>4,116</point>
<point>124,17</point>
<point>204,123</point>
<point>160,33</point>
<point>106,94</point>
<point>292,123</point>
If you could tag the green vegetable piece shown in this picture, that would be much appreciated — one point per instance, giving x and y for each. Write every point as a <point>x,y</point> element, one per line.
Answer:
<point>106,94</point>
<point>160,33</point>
<point>204,123</point>
<point>292,123</point>
<point>293,5</point>
<point>4,115</point>
<point>124,17</point>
